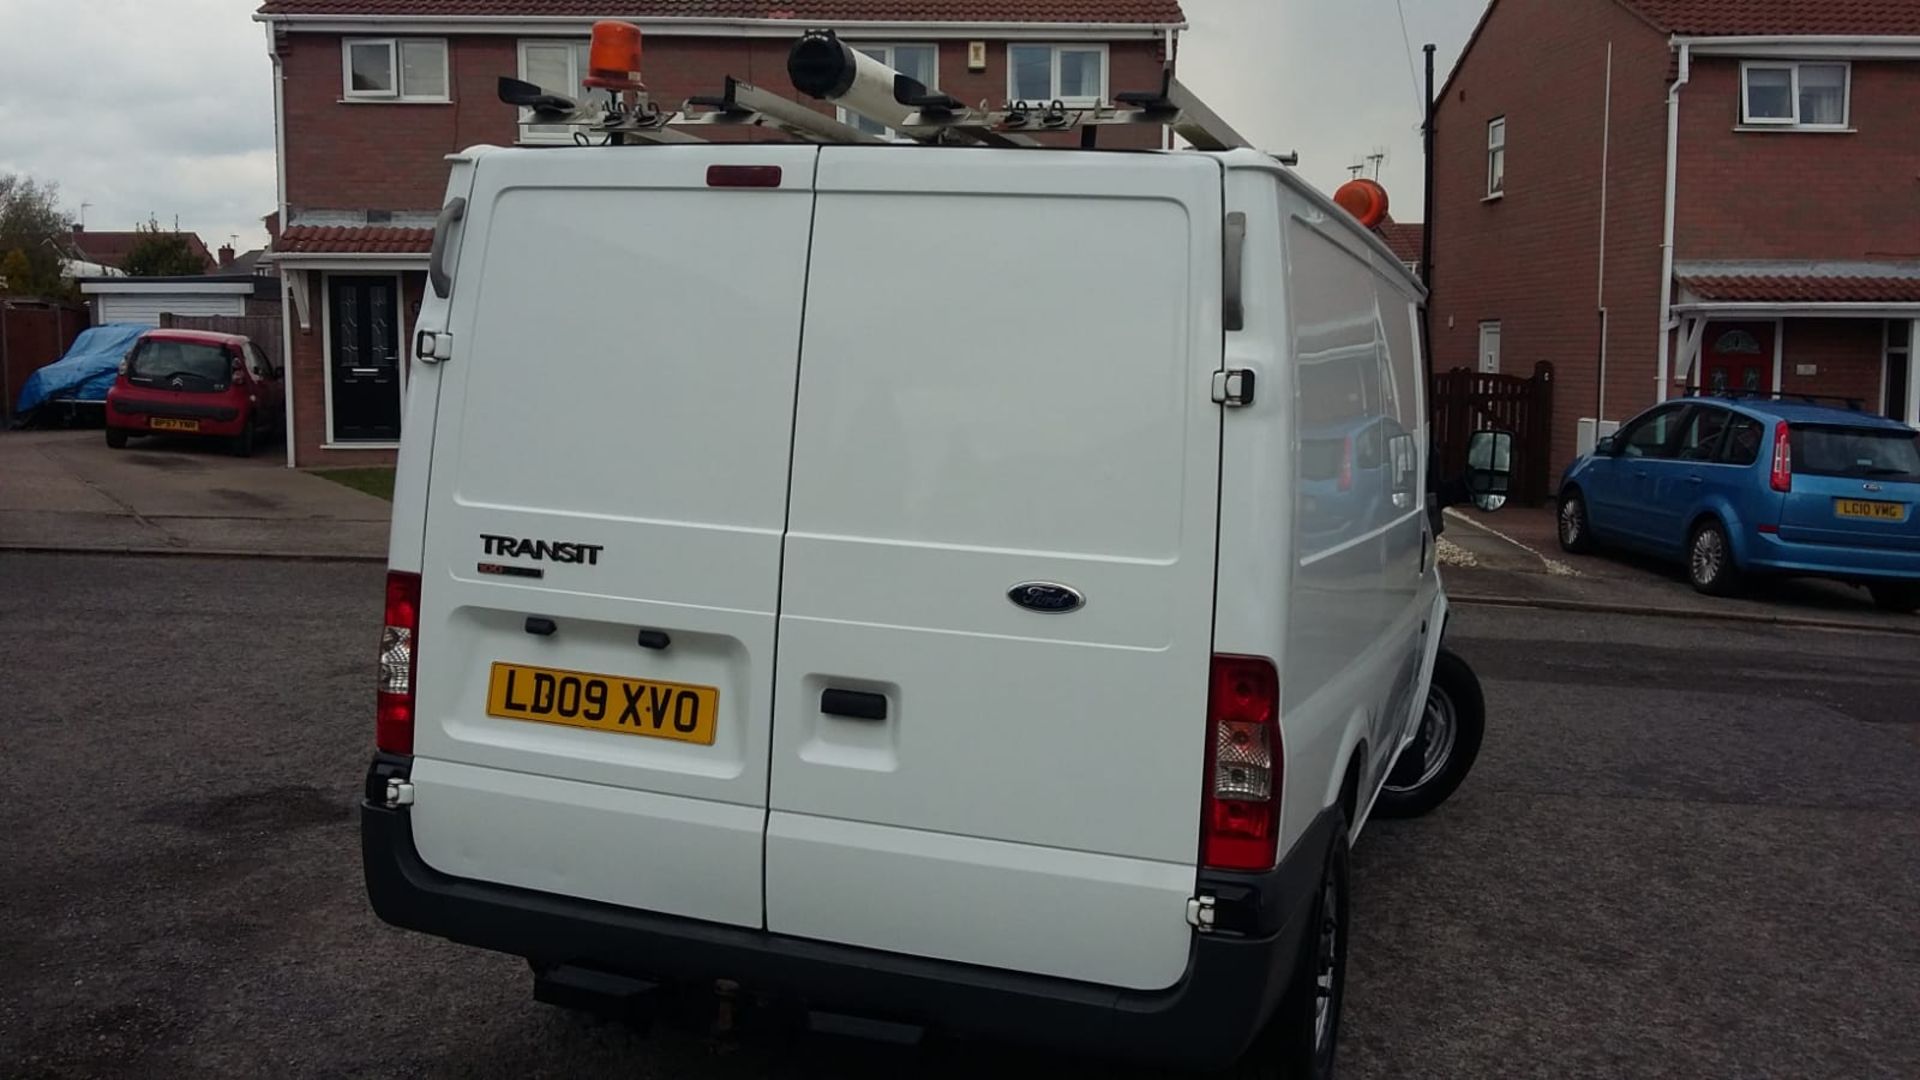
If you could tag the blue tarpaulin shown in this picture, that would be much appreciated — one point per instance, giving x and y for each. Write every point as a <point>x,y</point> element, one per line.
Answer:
<point>85,373</point>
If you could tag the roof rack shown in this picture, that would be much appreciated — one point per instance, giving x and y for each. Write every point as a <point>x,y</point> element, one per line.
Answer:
<point>824,67</point>
<point>1738,393</point>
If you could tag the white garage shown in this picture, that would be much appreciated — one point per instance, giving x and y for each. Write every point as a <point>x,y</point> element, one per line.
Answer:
<point>141,300</point>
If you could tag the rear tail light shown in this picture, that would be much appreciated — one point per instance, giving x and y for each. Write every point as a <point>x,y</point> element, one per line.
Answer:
<point>399,648</point>
<point>1782,458</point>
<point>1241,827</point>
<point>1346,464</point>
<point>753,176</point>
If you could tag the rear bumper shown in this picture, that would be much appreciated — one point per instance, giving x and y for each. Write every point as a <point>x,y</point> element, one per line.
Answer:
<point>214,417</point>
<point>1234,978</point>
<point>1768,552</point>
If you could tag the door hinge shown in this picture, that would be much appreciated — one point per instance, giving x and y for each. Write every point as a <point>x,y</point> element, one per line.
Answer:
<point>432,346</point>
<point>1233,387</point>
<point>1200,913</point>
<point>399,792</point>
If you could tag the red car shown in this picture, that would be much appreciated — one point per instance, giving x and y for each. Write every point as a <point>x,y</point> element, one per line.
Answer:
<point>196,382</point>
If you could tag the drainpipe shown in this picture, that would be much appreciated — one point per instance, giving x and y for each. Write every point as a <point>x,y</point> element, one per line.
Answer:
<point>1600,300</point>
<point>1666,244</point>
<point>1166,131</point>
<point>286,298</point>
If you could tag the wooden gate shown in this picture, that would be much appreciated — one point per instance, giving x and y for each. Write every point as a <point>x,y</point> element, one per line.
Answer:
<point>262,330</point>
<point>1465,401</point>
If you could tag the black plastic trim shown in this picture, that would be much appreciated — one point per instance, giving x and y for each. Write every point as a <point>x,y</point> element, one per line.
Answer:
<point>854,704</point>
<point>1234,977</point>
<point>133,406</point>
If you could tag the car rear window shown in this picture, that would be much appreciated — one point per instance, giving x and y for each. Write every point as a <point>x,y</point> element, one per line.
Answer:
<point>159,360</point>
<point>1866,453</point>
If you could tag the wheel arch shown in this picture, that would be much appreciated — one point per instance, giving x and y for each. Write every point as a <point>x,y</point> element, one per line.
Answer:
<point>1721,513</point>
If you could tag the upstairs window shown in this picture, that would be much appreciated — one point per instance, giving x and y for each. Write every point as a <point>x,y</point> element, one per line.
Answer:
<point>920,63</point>
<point>1070,74</point>
<point>394,69</point>
<point>1787,95</point>
<point>557,68</point>
<point>1497,157</point>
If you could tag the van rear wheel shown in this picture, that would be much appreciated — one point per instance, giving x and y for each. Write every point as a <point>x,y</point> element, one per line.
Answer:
<point>1444,749</point>
<point>1299,1042</point>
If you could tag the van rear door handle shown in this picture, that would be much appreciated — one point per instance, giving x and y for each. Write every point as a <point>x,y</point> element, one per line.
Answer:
<point>854,704</point>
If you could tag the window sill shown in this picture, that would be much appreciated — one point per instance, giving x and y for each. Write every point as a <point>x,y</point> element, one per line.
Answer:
<point>394,101</point>
<point>360,446</point>
<point>1494,198</point>
<point>1795,129</point>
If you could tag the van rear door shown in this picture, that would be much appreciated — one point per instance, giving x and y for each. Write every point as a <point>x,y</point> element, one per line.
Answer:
<point>605,507</point>
<point>1004,395</point>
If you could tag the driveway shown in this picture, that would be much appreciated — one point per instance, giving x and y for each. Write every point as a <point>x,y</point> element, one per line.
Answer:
<point>66,491</point>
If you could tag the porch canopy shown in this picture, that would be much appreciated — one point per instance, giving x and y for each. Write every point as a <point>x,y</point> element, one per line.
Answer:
<point>1727,291</point>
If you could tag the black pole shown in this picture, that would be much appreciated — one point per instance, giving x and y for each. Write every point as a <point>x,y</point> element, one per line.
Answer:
<point>1426,226</point>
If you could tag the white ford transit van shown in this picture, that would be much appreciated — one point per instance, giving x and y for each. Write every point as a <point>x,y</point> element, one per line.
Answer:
<point>980,590</point>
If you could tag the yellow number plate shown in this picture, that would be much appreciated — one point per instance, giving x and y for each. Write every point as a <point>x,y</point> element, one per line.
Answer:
<point>580,699</point>
<point>1872,511</point>
<point>161,423</point>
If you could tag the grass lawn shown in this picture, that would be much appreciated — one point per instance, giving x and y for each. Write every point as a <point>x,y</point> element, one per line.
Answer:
<point>373,481</point>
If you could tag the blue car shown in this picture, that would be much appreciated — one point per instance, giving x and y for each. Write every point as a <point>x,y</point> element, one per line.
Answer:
<point>1738,486</point>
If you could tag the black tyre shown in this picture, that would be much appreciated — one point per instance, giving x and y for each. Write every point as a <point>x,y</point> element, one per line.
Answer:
<point>243,443</point>
<point>116,438</point>
<point>1576,536</point>
<point>1710,560</point>
<point>1444,750</point>
<point>1299,1041</point>
<point>1897,596</point>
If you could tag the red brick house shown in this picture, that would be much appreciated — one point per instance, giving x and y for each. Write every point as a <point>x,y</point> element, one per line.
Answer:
<point>370,95</point>
<point>110,249</point>
<point>1663,194</point>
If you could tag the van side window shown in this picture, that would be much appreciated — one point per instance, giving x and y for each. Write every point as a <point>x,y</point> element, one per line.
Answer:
<point>1744,437</point>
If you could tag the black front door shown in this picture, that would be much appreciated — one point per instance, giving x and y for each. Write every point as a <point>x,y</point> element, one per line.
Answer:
<point>364,330</point>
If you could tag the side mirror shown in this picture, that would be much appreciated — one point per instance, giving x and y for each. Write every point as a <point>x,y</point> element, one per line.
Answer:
<point>1489,468</point>
<point>1606,447</point>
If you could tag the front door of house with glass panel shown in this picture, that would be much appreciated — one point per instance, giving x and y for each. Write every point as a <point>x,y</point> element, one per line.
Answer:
<point>1737,358</point>
<point>363,338</point>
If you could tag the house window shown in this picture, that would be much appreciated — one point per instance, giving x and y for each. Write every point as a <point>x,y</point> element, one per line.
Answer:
<point>1497,158</point>
<point>1489,348</point>
<point>556,67</point>
<point>1069,74</point>
<point>920,63</point>
<point>1899,370</point>
<point>1795,95</point>
<point>394,69</point>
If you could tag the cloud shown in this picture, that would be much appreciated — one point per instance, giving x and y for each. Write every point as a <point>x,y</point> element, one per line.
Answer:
<point>136,107</point>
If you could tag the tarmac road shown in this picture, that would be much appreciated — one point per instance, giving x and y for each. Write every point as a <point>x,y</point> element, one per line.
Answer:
<point>1689,849</point>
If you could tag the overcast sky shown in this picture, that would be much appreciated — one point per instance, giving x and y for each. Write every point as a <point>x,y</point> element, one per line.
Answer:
<point>165,107</point>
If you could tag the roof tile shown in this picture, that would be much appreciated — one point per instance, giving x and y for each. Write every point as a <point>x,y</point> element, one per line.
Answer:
<point>1803,289</point>
<point>1735,18</point>
<point>1150,12</point>
<point>352,240</point>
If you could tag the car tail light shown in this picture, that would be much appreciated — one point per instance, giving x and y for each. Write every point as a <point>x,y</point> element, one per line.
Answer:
<point>1241,827</point>
<point>1346,464</point>
<point>399,649</point>
<point>1782,458</point>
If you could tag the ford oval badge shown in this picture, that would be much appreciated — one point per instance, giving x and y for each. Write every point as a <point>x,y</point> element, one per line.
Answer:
<point>1046,597</point>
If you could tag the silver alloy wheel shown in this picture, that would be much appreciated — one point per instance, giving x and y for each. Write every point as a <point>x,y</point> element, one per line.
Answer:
<point>1439,727</point>
<point>1709,555</point>
<point>1570,521</point>
<point>1326,964</point>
